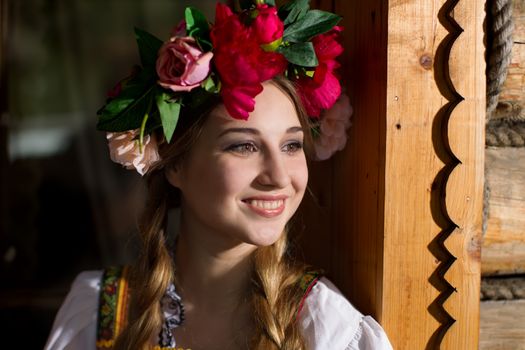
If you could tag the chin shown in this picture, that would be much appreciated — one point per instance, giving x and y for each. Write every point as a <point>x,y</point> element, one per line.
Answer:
<point>265,236</point>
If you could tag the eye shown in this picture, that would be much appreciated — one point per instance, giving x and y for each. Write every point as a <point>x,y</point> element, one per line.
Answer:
<point>293,147</point>
<point>243,148</point>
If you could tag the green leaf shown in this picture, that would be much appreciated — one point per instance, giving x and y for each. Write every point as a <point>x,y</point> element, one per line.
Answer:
<point>169,114</point>
<point>199,103</point>
<point>197,26</point>
<point>125,112</point>
<point>149,46</point>
<point>293,11</point>
<point>270,2</point>
<point>131,89</point>
<point>316,131</point>
<point>301,54</point>
<point>315,22</point>
<point>119,113</point>
<point>210,85</point>
<point>154,121</point>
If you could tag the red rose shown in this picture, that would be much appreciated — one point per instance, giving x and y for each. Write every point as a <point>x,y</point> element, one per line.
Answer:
<point>239,100</point>
<point>179,29</point>
<point>321,91</point>
<point>222,12</point>
<point>267,25</point>
<point>241,63</point>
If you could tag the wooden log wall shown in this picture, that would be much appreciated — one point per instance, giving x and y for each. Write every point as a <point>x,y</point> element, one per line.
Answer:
<point>503,251</point>
<point>502,325</point>
<point>502,322</point>
<point>400,222</point>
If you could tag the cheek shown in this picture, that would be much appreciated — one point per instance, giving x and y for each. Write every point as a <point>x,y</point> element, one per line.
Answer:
<point>299,175</point>
<point>217,179</point>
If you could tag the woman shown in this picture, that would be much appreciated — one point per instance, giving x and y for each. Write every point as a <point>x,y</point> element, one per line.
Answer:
<point>235,166</point>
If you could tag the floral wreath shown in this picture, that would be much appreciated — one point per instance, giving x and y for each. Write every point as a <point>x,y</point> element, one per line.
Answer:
<point>230,60</point>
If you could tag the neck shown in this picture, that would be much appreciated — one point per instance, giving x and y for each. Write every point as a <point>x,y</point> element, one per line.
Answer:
<point>212,277</point>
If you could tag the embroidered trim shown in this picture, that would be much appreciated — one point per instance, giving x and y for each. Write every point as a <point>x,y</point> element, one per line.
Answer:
<point>113,305</point>
<point>307,282</point>
<point>173,312</point>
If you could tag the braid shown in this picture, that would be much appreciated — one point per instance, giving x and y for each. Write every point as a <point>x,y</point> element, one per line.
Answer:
<point>152,272</point>
<point>276,298</point>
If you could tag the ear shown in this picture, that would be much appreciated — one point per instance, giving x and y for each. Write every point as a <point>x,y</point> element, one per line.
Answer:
<point>174,175</point>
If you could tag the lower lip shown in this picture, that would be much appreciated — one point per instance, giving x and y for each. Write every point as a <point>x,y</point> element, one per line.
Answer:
<point>267,213</point>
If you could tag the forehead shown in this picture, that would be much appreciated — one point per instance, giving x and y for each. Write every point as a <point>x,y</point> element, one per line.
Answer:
<point>274,113</point>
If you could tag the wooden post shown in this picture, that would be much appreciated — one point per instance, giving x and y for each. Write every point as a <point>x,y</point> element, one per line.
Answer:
<point>401,206</point>
<point>434,173</point>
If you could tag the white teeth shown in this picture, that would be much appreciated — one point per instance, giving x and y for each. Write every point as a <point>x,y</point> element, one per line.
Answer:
<point>266,204</point>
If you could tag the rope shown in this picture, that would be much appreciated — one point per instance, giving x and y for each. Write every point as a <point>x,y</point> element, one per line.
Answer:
<point>509,110</point>
<point>502,288</point>
<point>505,133</point>
<point>500,49</point>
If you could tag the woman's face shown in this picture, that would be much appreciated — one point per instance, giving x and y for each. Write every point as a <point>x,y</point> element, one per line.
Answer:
<point>243,180</point>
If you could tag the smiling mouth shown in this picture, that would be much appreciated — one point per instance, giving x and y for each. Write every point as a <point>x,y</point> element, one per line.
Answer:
<point>266,208</point>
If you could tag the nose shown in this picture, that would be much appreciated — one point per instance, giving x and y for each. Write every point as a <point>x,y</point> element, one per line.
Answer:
<point>274,171</point>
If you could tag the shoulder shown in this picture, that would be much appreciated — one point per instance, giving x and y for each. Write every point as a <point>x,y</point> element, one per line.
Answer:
<point>329,321</point>
<point>75,323</point>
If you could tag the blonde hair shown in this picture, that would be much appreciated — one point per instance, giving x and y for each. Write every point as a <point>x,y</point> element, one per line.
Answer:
<point>276,294</point>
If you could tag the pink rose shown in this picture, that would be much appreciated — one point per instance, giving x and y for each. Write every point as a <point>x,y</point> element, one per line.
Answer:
<point>181,65</point>
<point>268,26</point>
<point>124,149</point>
<point>334,124</point>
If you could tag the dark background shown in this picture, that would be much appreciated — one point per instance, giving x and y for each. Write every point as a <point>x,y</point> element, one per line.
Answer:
<point>64,206</point>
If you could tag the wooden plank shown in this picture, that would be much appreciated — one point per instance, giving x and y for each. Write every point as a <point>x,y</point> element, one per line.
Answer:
<point>464,188</point>
<point>358,173</point>
<point>417,211</point>
<point>503,249</point>
<point>340,219</point>
<point>502,325</point>
<point>413,100</point>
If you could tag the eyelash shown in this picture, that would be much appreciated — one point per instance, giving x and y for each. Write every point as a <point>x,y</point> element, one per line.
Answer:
<point>243,148</point>
<point>249,147</point>
<point>297,146</point>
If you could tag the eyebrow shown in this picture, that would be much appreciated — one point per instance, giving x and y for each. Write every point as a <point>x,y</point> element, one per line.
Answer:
<point>252,131</point>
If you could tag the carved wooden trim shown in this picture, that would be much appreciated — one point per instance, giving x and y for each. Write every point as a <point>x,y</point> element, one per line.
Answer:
<point>443,150</point>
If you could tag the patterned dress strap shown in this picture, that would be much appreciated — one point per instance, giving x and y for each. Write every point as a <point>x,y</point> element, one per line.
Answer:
<point>113,306</point>
<point>306,283</point>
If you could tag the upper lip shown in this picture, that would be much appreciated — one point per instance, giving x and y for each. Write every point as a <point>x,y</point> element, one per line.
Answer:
<point>267,197</point>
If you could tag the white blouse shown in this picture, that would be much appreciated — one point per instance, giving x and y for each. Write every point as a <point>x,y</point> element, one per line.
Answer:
<point>327,319</point>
